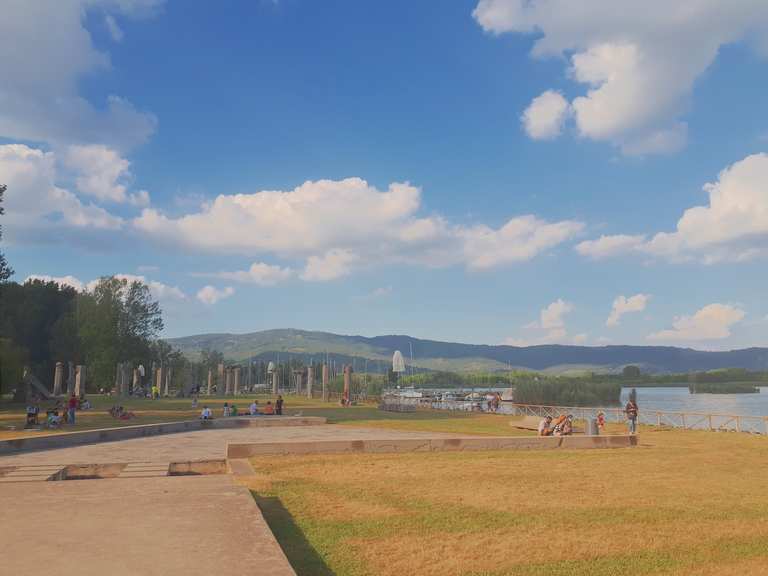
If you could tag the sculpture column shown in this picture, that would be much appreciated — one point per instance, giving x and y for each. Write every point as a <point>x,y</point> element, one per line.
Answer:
<point>274,382</point>
<point>236,382</point>
<point>347,383</point>
<point>70,379</point>
<point>58,378</point>
<point>325,382</point>
<point>220,380</point>
<point>136,384</point>
<point>310,379</point>
<point>210,381</point>
<point>168,377</point>
<point>80,381</point>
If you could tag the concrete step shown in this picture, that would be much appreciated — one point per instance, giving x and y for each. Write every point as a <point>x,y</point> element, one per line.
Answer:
<point>144,474</point>
<point>31,474</point>
<point>144,470</point>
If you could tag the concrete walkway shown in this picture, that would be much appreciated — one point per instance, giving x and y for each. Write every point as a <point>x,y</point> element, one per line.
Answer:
<point>200,445</point>
<point>185,525</point>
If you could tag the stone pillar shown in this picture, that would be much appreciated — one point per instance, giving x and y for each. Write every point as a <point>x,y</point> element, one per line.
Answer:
<point>136,383</point>
<point>236,382</point>
<point>159,379</point>
<point>210,381</point>
<point>325,382</point>
<point>168,378</point>
<point>220,380</point>
<point>70,378</point>
<point>310,380</point>
<point>274,382</point>
<point>347,383</point>
<point>58,378</point>
<point>80,381</point>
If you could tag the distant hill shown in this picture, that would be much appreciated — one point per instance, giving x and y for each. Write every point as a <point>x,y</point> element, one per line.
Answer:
<point>434,355</point>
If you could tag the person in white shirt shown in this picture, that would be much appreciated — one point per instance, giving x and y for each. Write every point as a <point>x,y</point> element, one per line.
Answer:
<point>206,413</point>
<point>253,409</point>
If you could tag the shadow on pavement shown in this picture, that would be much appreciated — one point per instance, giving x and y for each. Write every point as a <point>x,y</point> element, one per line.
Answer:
<point>303,557</point>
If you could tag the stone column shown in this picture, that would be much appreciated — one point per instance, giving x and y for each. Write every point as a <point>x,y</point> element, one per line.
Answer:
<point>159,379</point>
<point>58,378</point>
<point>236,382</point>
<point>310,380</point>
<point>274,381</point>
<point>347,383</point>
<point>220,380</point>
<point>168,378</point>
<point>80,381</point>
<point>70,378</point>
<point>136,383</point>
<point>210,381</point>
<point>325,382</point>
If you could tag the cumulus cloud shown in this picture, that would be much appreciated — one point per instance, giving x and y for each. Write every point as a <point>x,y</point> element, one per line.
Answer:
<point>623,305</point>
<point>733,226</point>
<point>36,202</point>
<point>314,221</point>
<point>39,99</point>
<point>549,328</point>
<point>330,266</point>
<point>103,174</point>
<point>544,117</point>
<point>637,61</point>
<point>259,273</point>
<point>210,295</point>
<point>712,322</point>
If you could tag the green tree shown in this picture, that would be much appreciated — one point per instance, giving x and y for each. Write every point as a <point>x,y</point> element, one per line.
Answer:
<point>5,271</point>
<point>630,372</point>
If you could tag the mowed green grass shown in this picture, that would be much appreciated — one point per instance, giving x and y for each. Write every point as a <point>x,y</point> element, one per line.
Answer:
<point>683,502</point>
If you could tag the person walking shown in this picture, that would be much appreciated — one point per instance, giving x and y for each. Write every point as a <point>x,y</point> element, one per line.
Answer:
<point>71,408</point>
<point>631,411</point>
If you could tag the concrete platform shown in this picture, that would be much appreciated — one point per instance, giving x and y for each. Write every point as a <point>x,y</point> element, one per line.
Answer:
<point>68,439</point>
<point>440,444</point>
<point>186,525</point>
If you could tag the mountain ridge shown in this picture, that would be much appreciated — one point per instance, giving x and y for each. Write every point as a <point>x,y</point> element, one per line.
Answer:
<point>455,356</point>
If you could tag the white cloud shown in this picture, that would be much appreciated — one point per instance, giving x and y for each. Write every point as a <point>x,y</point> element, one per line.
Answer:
<point>336,223</point>
<point>607,246</point>
<point>45,50</point>
<point>732,227</point>
<point>103,174</point>
<point>623,305</point>
<point>259,273</point>
<point>549,328</point>
<point>381,292</point>
<point>544,117</point>
<point>210,295</point>
<point>34,201</point>
<point>70,281</point>
<point>637,61</point>
<point>519,240</point>
<point>114,28</point>
<point>330,266</point>
<point>580,339</point>
<point>712,322</point>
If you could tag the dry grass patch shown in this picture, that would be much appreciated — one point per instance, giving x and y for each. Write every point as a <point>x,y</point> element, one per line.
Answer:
<point>680,503</point>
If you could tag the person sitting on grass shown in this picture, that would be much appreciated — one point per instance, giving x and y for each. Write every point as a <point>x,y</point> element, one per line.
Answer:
<point>269,409</point>
<point>568,425</point>
<point>233,410</point>
<point>32,412</point>
<point>85,404</point>
<point>559,424</point>
<point>206,414</point>
<point>545,426</point>
<point>52,419</point>
<point>253,409</point>
<point>226,411</point>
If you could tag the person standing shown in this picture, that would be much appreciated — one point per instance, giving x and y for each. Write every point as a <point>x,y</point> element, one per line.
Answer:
<point>71,409</point>
<point>631,411</point>
<point>279,405</point>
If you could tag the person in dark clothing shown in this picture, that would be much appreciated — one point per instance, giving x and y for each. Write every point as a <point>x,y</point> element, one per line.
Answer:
<point>279,405</point>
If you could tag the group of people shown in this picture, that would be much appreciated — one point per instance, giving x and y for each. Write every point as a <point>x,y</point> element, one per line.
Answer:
<point>561,426</point>
<point>57,415</point>
<point>229,410</point>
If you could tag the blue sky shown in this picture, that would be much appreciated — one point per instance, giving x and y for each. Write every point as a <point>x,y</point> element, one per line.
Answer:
<point>493,171</point>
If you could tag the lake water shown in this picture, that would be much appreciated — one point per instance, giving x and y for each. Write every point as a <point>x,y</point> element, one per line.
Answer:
<point>680,400</point>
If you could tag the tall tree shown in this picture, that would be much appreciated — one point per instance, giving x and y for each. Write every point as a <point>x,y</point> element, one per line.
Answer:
<point>5,271</point>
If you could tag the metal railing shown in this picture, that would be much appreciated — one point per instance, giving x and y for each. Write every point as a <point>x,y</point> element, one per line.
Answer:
<point>685,420</point>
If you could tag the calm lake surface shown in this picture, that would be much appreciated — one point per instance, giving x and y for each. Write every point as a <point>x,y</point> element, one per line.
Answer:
<point>680,400</point>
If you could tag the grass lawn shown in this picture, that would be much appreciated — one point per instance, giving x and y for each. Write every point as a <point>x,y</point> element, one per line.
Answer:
<point>683,502</point>
<point>12,416</point>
